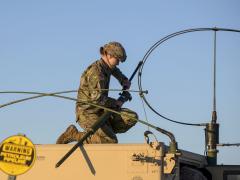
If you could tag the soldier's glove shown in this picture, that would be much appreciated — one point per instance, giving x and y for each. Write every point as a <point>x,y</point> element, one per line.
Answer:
<point>125,96</point>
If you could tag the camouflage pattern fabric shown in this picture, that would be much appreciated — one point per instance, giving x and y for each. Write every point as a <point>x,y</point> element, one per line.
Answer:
<point>97,77</point>
<point>116,124</point>
<point>116,50</point>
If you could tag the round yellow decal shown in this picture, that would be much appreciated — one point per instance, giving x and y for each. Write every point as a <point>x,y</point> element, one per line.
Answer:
<point>17,155</point>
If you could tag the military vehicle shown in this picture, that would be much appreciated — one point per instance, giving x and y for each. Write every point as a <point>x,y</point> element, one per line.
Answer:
<point>152,160</point>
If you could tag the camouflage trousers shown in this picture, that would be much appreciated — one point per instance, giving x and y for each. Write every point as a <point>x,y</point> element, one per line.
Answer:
<point>115,124</point>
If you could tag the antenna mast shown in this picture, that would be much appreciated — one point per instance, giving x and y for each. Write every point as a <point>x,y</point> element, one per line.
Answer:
<point>212,129</point>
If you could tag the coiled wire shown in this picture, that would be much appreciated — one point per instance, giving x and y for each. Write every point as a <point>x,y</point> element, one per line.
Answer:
<point>153,47</point>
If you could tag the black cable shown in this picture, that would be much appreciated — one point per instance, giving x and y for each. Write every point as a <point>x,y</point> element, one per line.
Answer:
<point>153,47</point>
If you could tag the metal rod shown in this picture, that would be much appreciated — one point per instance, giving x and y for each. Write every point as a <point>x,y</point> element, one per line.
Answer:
<point>214,112</point>
<point>212,129</point>
<point>135,71</point>
<point>214,72</point>
<point>229,144</point>
<point>93,129</point>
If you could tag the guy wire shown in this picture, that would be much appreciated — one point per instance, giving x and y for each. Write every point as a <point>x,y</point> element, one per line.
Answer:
<point>144,109</point>
<point>54,94</point>
<point>89,103</point>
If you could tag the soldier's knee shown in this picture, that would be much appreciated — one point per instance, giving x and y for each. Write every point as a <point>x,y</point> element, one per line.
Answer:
<point>136,115</point>
<point>133,120</point>
<point>114,141</point>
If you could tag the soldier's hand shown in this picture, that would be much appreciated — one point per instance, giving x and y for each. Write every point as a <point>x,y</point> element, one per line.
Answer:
<point>125,96</point>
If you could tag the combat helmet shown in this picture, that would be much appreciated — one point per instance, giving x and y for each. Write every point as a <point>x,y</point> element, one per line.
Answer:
<point>115,49</point>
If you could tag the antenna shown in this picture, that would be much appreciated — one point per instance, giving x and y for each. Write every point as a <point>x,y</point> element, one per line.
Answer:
<point>214,113</point>
<point>212,129</point>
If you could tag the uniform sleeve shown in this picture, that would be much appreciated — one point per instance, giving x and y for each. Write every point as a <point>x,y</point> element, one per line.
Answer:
<point>118,75</point>
<point>96,81</point>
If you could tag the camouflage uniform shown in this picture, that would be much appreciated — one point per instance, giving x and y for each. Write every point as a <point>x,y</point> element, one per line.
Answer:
<point>95,78</point>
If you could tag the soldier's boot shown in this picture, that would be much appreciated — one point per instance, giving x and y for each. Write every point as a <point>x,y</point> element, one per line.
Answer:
<point>68,136</point>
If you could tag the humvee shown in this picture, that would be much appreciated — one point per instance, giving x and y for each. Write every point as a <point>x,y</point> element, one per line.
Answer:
<point>124,162</point>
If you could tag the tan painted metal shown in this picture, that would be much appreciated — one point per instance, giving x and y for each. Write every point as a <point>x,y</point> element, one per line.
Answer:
<point>94,162</point>
<point>109,161</point>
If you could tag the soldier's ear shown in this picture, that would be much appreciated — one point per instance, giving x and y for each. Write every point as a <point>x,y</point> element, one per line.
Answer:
<point>102,51</point>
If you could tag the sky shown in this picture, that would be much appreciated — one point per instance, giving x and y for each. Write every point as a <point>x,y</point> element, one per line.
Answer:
<point>46,45</point>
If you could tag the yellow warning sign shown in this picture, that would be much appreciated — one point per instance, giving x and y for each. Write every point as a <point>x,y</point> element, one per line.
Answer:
<point>17,155</point>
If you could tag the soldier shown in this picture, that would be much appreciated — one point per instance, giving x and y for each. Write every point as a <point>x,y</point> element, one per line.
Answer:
<point>93,84</point>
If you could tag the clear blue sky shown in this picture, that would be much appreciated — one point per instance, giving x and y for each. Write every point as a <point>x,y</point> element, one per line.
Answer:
<point>46,45</point>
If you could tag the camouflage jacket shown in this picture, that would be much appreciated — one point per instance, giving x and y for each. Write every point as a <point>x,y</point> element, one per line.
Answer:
<point>97,77</point>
